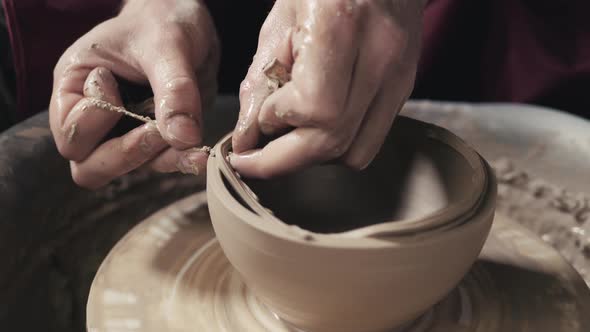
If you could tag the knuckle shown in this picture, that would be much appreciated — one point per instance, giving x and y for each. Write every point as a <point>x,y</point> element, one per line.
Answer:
<point>180,84</point>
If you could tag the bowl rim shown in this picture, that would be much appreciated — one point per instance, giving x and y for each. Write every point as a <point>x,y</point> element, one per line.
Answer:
<point>441,220</point>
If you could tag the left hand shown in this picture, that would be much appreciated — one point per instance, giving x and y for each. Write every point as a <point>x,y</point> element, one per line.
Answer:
<point>168,45</point>
<point>352,64</point>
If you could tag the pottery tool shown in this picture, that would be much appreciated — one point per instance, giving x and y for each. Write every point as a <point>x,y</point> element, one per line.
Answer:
<point>145,107</point>
<point>104,105</point>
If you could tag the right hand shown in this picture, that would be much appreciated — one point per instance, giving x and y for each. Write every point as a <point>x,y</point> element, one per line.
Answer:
<point>352,66</point>
<point>170,45</point>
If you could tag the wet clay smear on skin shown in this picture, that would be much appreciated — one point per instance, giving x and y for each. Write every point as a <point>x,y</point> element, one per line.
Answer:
<point>558,216</point>
<point>277,73</point>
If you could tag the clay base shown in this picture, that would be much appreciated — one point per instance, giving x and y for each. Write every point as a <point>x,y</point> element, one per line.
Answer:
<point>169,274</point>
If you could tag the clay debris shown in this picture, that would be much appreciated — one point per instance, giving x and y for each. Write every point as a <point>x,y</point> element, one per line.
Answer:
<point>557,215</point>
<point>577,205</point>
<point>277,74</point>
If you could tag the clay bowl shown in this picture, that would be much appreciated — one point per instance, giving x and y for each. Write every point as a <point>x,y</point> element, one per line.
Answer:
<point>332,249</point>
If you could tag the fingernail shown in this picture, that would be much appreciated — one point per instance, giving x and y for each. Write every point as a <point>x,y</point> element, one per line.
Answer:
<point>150,140</point>
<point>99,80</point>
<point>192,162</point>
<point>238,159</point>
<point>93,87</point>
<point>183,129</point>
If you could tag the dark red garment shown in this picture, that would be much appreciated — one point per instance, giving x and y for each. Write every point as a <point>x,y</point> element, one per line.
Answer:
<point>532,51</point>
<point>40,31</point>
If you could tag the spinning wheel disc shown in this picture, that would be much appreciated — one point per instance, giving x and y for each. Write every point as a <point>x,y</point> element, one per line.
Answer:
<point>169,274</point>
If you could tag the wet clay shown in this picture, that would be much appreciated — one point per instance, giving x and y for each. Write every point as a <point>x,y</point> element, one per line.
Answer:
<point>422,173</point>
<point>277,74</point>
<point>383,256</point>
<point>415,178</point>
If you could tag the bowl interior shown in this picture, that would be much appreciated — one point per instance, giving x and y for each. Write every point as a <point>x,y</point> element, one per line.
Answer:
<point>416,174</point>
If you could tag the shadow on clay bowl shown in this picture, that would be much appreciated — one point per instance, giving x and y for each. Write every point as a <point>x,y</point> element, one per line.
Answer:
<point>344,250</point>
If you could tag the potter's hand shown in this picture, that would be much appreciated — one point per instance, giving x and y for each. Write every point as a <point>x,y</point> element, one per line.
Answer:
<point>170,45</point>
<point>352,64</point>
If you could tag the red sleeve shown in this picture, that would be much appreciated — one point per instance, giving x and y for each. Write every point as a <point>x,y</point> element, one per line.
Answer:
<point>40,31</point>
<point>529,51</point>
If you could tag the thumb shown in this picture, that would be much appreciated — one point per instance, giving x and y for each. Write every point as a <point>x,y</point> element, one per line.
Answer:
<point>176,97</point>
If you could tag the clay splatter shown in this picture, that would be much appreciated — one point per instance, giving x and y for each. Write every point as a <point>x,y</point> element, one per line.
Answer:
<point>558,216</point>
<point>72,132</point>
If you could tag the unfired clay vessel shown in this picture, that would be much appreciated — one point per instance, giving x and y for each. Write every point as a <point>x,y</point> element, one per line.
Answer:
<point>331,249</point>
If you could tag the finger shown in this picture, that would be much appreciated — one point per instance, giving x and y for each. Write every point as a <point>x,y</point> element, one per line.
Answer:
<point>71,72</point>
<point>191,161</point>
<point>118,156</point>
<point>170,72</point>
<point>384,51</point>
<point>88,121</point>
<point>324,55</point>
<point>380,50</point>
<point>378,122</point>
<point>253,93</point>
<point>290,152</point>
<point>256,87</point>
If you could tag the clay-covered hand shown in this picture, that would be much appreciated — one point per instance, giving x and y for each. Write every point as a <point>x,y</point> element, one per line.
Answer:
<point>352,66</point>
<point>170,45</point>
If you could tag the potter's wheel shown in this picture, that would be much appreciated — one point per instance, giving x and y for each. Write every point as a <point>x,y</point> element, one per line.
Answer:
<point>54,235</point>
<point>169,274</point>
